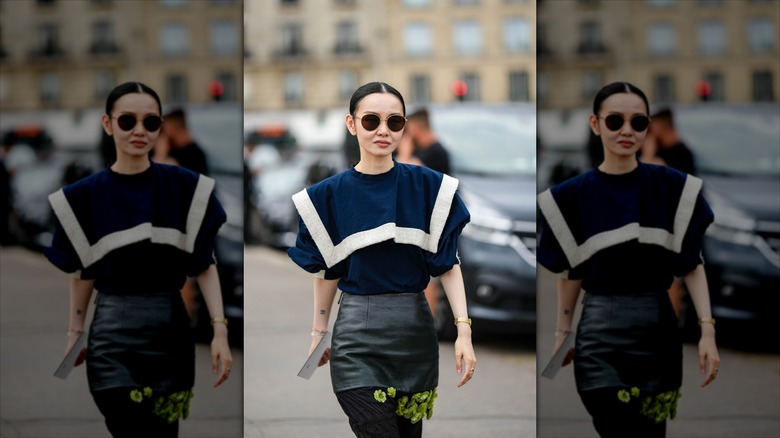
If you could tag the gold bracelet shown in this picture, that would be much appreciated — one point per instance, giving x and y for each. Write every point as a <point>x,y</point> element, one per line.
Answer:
<point>219,320</point>
<point>708,320</point>
<point>465,319</point>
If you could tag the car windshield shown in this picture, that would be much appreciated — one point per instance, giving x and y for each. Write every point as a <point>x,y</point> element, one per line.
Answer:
<point>488,140</point>
<point>218,130</point>
<point>740,142</point>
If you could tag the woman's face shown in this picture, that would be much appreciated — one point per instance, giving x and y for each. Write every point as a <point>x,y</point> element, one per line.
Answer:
<point>624,142</point>
<point>382,141</point>
<point>137,142</point>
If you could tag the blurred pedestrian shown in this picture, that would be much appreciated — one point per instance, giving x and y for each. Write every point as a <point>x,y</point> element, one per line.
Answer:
<point>378,232</point>
<point>425,150</point>
<point>598,231</point>
<point>134,232</point>
<point>183,147</point>
<point>671,148</point>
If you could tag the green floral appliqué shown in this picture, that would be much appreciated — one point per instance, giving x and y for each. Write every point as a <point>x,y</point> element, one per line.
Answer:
<point>391,392</point>
<point>171,406</point>
<point>659,407</point>
<point>380,396</point>
<point>136,396</point>
<point>417,406</point>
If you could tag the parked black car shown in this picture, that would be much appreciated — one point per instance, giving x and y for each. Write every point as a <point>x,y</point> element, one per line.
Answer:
<point>493,154</point>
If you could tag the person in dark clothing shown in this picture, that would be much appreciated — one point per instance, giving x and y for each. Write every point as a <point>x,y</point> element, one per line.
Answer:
<point>427,148</point>
<point>183,147</point>
<point>671,149</point>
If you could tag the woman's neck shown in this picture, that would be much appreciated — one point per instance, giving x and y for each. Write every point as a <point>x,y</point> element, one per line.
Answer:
<point>618,165</point>
<point>130,166</point>
<point>371,165</point>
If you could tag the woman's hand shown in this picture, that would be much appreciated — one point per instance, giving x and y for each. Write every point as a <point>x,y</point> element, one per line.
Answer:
<point>709,360</point>
<point>325,356</point>
<point>221,358</point>
<point>569,355</point>
<point>465,360</point>
<point>72,337</point>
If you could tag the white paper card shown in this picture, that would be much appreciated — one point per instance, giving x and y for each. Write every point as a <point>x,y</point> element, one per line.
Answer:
<point>69,361</point>
<point>556,361</point>
<point>310,366</point>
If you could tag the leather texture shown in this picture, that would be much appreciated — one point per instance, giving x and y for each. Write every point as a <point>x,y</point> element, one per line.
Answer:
<point>383,341</point>
<point>626,341</point>
<point>141,341</point>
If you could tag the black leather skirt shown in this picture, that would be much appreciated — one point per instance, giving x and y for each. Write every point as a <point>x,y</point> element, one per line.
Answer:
<point>384,341</point>
<point>141,341</point>
<point>628,341</point>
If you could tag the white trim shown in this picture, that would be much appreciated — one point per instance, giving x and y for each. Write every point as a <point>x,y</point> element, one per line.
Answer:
<point>89,254</point>
<point>577,254</point>
<point>333,254</point>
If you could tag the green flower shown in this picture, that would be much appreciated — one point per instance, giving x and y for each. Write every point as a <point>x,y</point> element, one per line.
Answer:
<point>661,406</point>
<point>136,396</point>
<point>147,392</point>
<point>624,396</point>
<point>174,406</point>
<point>380,396</point>
<point>391,392</point>
<point>634,392</point>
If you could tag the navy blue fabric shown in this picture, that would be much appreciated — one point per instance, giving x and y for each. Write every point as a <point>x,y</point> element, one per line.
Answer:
<point>109,202</point>
<point>352,202</point>
<point>596,202</point>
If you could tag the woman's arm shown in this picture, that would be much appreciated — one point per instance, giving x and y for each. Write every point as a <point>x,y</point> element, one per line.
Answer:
<point>208,281</point>
<point>452,281</point>
<point>709,360</point>
<point>80,293</point>
<point>324,294</point>
<point>568,292</point>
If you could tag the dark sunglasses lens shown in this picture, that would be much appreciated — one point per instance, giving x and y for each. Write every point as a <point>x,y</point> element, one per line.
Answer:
<point>126,122</point>
<point>396,123</point>
<point>370,122</point>
<point>152,123</point>
<point>614,122</point>
<point>640,123</point>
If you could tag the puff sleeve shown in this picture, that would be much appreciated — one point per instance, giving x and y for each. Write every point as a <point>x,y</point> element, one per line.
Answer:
<point>446,256</point>
<point>550,254</point>
<point>202,255</point>
<point>306,255</point>
<point>690,253</point>
<point>63,255</point>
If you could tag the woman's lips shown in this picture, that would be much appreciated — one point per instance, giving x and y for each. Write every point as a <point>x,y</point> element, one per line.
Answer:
<point>138,144</point>
<point>382,143</point>
<point>626,144</point>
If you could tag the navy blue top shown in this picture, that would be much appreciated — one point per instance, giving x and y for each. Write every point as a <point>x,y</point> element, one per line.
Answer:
<point>386,233</point>
<point>628,233</point>
<point>139,233</point>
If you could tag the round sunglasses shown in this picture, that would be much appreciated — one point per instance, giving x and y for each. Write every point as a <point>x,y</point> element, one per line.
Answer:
<point>127,122</point>
<point>371,122</point>
<point>615,121</point>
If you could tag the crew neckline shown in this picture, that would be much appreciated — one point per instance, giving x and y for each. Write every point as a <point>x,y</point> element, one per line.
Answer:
<point>374,176</point>
<point>146,171</point>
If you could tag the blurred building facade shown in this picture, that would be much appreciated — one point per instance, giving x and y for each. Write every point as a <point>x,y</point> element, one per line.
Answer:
<point>674,50</point>
<point>66,54</point>
<point>314,54</point>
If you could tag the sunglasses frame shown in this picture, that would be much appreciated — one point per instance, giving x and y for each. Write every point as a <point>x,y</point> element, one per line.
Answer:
<point>630,122</point>
<point>143,122</point>
<point>387,122</point>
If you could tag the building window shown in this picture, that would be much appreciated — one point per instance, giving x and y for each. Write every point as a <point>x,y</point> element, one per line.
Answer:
<point>519,90</point>
<point>173,3</point>
<point>542,47</point>
<point>468,37</point>
<point>660,3</point>
<point>590,38</point>
<point>591,84</point>
<point>174,40</point>
<point>48,40</point>
<point>715,80</point>
<point>292,39</point>
<point>421,89</point>
<point>348,83</point>
<point>710,2</point>
<point>104,83</point>
<point>517,35</point>
<point>293,88</point>
<point>417,3</point>
<point>762,86</point>
<point>103,41</point>
<point>465,2</point>
<point>712,38</point>
<point>224,38</point>
<point>761,35</point>
<point>50,88</point>
<point>663,89</point>
<point>472,85</point>
<point>176,88</point>
<point>542,88</point>
<point>347,37</point>
<point>289,2</point>
<point>661,39</point>
<point>418,40</point>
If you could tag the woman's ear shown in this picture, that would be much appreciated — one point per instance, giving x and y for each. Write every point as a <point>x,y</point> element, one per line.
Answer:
<point>351,124</point>
<point>107,124</point>
<point>594,125</point>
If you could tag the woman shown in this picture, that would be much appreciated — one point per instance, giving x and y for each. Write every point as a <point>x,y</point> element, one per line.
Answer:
<point>377,232</point>
<point>134,232</point>
<point>622,232</point>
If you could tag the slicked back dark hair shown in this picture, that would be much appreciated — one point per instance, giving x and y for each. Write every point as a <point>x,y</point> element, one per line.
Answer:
<point>127,88</point>
<point>371,88</point>
<point>615,88</point>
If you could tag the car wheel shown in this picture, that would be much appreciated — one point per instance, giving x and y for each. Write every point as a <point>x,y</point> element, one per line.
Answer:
<point>443,319</point>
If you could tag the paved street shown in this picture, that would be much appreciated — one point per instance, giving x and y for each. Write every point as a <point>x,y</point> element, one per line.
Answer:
<point>744,401</point>
<point>499,402</point>
<point>33,321</point>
